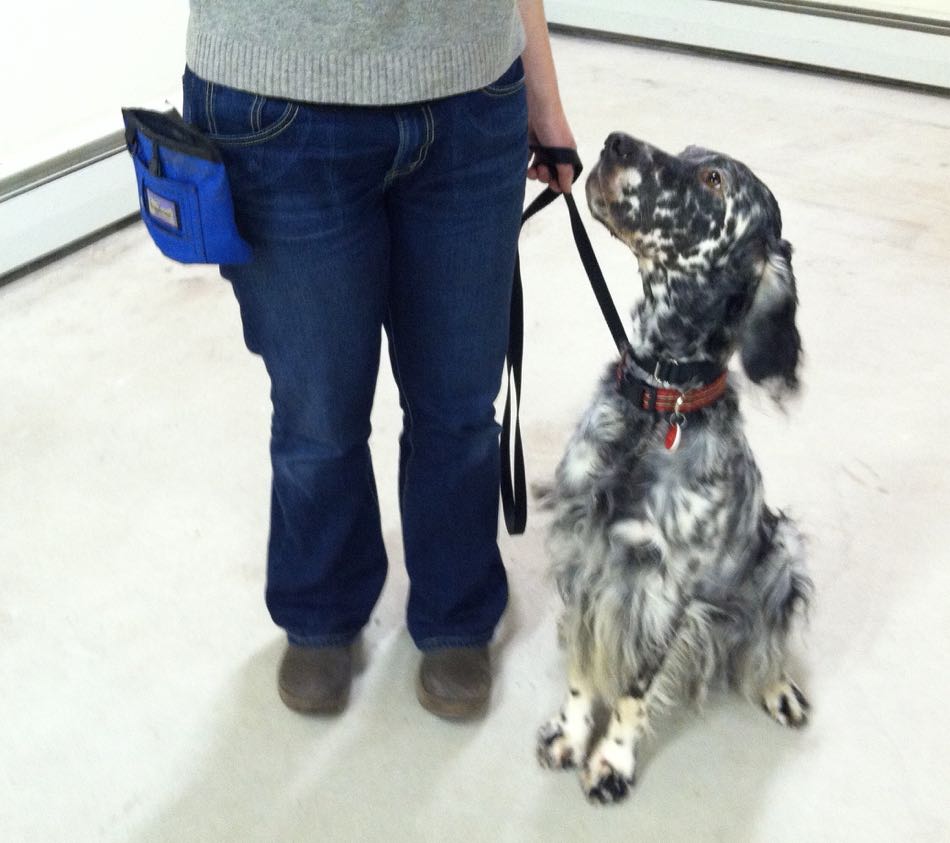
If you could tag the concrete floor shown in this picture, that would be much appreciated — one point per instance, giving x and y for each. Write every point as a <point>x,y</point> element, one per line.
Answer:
<point>137,661</point>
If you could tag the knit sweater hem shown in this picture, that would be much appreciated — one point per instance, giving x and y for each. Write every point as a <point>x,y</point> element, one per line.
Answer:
<point>351,78</point>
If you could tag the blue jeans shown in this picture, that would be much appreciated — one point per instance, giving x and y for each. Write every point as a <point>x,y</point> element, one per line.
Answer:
<point>361,219</point>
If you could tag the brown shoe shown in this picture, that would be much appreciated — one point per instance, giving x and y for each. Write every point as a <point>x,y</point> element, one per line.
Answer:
<point>454,682</point>
<point>315,680</point>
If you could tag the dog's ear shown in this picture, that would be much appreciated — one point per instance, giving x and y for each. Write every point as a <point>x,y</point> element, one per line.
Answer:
<point>770,345</point>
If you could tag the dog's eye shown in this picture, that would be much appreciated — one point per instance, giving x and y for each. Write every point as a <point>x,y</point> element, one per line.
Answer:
<point>712,179</point>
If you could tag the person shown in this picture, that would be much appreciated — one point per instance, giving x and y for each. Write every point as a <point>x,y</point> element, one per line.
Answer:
<point>377,156</point>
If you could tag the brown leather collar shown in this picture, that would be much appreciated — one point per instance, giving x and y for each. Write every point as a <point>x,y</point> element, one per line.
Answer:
<point>663,400</point>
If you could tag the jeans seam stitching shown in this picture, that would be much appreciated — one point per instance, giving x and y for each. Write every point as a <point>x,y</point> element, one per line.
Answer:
<point>285,122</point>
<point>395,171</point>
<point>504,91</point>
<point>256,113</point>
<point>436,642</point>
<point>209,109</point>
<point>424,148</point>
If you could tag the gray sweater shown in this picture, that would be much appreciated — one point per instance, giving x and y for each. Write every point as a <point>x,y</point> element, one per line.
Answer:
<point>359,52</point>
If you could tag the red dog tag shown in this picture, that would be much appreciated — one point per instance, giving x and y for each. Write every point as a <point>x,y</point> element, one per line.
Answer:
<point>672,440</point>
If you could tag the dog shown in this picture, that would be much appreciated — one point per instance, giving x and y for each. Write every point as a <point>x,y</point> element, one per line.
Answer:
<point>673,572</point>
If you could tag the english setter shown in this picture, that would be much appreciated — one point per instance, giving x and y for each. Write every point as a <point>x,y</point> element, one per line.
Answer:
<point>673,571</point>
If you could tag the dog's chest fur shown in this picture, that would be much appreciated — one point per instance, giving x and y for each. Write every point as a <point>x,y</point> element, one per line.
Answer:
<point>638,530</point>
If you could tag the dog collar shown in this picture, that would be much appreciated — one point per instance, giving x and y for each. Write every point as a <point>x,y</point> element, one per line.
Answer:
<point>676,402</point>
<point>658,399</point>
<point>673,371</point>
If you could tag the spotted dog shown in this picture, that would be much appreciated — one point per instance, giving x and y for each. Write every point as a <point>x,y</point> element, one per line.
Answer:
<point>673,572</point>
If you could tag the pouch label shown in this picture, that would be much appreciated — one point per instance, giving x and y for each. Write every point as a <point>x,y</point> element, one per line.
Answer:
<point>162,209</point>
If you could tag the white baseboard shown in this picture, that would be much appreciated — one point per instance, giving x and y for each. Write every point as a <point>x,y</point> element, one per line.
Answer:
<point>866,47</point>
<point>47,218</point>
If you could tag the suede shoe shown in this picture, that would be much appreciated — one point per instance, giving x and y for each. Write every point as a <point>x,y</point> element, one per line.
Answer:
<point>454,682</point>
<point>315,680</point>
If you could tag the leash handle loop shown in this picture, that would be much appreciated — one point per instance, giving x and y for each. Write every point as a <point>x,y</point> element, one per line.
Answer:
<point>551,156</point>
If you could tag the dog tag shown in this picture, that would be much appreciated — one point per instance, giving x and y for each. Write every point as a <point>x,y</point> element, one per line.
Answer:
<point>672,440</point>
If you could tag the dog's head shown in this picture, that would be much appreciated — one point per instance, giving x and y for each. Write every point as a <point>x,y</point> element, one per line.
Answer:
<point>708,237</point>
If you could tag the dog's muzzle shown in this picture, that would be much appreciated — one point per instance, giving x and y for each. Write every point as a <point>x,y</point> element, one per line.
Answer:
<point>622,149</point>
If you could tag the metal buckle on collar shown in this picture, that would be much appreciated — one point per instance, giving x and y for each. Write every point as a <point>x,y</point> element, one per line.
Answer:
<point>677,417</point>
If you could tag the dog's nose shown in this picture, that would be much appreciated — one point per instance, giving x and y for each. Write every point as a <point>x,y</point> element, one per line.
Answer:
<point>621,146</point>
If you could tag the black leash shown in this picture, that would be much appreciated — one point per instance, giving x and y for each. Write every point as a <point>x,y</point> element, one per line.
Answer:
<point>513,481</point>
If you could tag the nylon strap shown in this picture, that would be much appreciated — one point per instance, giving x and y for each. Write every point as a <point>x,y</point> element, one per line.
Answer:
<point>514,495</point>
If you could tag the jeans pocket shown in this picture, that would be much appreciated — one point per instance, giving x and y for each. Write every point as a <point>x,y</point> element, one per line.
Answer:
<point>509,82</point>
<point>496,116</point>
<point>231,117</point>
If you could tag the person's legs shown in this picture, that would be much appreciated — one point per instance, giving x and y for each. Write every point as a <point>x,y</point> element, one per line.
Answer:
<point>316,192</point>
<point>308,193</point>
<point>454,220</point>
<point>320,342</point>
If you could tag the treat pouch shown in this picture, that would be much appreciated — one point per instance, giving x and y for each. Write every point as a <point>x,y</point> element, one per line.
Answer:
<point>184,195</point>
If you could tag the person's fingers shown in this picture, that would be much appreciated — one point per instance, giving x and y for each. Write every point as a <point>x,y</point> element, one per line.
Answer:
<point>565,177</point>
<point>542,173</point>
<point>559,177</point>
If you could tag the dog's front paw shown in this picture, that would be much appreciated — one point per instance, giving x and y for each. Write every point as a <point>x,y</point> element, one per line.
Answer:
<point>556,751</point>
<point>608,774</point>
<point>785,703</point>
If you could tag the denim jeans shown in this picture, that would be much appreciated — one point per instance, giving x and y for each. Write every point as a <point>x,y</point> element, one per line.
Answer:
<point>403,219</point>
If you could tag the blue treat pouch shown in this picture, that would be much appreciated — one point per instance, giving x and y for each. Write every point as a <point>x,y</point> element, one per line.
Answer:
<point>183,188</point>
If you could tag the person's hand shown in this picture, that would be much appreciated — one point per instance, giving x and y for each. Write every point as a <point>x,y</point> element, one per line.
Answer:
<point>551,129</point>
